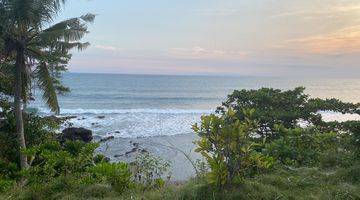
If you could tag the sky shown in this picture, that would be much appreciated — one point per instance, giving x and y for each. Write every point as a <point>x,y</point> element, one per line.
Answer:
<point>220,37</point>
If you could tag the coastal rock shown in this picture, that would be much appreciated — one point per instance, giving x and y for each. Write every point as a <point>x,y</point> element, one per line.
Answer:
<point>59,120</point>
<point>106,139</point>
<point>73,134</point>
<point>107,159</point>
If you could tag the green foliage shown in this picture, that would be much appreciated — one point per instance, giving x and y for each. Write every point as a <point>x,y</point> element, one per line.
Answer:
<point>149,170</point>
<point>273,106</point>
<point>301,147</point>
<point>6,184</point>
<point>53,160</point>
<point>238,159</point>
<point>117,174</point>
<point>350,133</point>
<point>42,50</point>
<point>37,131</point>
<point>299,184</point>
<point>226,144</point>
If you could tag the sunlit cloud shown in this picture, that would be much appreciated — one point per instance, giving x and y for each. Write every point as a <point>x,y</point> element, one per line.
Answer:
<point>108,48</point>
<point>344,41</point>
<point>216,12</point>
<point>202,53</point>
<point>327,10</point>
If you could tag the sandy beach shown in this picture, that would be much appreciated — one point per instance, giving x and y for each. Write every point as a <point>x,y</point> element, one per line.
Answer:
<point>170,148</point>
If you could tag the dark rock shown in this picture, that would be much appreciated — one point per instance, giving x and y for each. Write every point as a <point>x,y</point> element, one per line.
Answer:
<point>106,139</point>
<point>101,117</point>
<point>133,150</point>
<point>117,156</point>
<point>144,151</point>
<point>107,159</point>
<point>57,119</point>
<point>69,117</point>
<point>117,131</point>
<point>135,144</point>
<point>73,134</point>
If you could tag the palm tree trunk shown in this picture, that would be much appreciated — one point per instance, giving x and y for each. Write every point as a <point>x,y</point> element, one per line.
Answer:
<point>20,61</point>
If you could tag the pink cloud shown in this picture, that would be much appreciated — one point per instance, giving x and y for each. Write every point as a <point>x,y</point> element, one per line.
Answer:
<point>202,53</point>
<point>343,41</point>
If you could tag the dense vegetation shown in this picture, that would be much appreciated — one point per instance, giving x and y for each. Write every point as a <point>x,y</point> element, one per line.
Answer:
<point>34,51</point>
<point>317,161</point>
<point>260,144</point>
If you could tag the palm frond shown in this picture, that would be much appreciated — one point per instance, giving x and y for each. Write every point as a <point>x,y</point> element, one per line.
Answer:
<point>64,47</point>
<point>88,17</point>
<point>69,30</point>
<point>46,83</point>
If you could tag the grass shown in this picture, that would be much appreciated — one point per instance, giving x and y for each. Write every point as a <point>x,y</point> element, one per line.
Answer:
<point>281,184</point>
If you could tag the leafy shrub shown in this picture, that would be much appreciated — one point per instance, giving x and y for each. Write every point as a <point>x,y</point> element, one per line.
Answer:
<point>225,142</point>
<point>350,133</point>
<point>96,191</point>
<point>37,131</point>
<point>273,106</point>
<point>349,174</point>
<point>117,174</point>
<point>52,159</point>
<point>6,184</point>
<point>300,146</point>
<point>149,170</point>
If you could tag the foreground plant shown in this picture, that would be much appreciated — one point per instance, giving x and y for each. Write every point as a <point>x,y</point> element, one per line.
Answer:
<point>149,170</point>
<point>225,142</point>
<point>34,50</point>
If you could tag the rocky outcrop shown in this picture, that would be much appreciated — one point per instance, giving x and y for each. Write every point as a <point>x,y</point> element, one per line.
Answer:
<point>80,134</point>
<point>106,139</point>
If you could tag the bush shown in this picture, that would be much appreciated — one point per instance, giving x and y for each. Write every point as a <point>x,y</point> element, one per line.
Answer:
<point>301,147</point>
<point>6,184</point>
<point>149,170</point>
<point>37,131</point>
<point>117,174</point>
<point>51,160</point>
<point>225,142</point>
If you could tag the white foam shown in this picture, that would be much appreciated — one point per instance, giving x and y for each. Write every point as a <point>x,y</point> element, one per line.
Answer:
<point>125,111</point>
<point>132,123</point>
<point>330,116</point>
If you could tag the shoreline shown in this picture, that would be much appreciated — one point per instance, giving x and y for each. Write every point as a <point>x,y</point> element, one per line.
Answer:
<point>169,148</point>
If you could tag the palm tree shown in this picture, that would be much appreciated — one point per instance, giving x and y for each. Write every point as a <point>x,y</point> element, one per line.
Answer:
<point>36,49</point>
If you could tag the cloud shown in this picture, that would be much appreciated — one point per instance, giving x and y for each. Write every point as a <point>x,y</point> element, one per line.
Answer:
<point>202,53</point>
<point>343,41</point>
<point>108,48</point>
<point>216,12</point>
<point>326,10</point>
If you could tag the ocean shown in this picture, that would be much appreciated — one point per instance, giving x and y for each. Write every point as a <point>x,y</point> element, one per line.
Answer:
<point>131,106</point>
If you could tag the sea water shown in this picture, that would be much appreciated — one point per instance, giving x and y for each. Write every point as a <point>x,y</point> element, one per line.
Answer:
<point>132,106</point>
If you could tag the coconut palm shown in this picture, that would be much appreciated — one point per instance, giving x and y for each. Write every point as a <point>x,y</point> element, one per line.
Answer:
<point>36,50</point>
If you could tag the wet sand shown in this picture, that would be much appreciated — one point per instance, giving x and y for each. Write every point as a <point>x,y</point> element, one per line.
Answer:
<point>170,148</point>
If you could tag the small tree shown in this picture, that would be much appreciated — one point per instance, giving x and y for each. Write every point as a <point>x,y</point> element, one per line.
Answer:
<point>225,142</point>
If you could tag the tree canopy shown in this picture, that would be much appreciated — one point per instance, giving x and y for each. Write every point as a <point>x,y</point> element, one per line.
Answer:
<point>274,106</point>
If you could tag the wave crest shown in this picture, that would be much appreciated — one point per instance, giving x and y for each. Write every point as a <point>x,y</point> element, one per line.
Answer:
<point>126,111</point>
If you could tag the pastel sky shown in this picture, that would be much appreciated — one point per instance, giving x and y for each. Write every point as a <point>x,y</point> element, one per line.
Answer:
<point>227,37</point>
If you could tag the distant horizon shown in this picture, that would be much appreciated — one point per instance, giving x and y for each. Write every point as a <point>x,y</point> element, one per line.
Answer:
<point>216,75</point>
